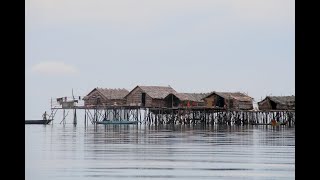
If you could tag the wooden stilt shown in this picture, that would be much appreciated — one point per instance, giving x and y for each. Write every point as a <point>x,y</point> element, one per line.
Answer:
<point>85,117</point>
<point>75,117</point>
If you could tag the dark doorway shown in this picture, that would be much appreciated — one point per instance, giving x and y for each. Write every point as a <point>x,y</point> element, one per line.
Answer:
<point>98,100</point>
<point>230,103</point>
<point>143,99</point>
<point>220,101</point>
<point>172,101</point>
<point>273,105</point>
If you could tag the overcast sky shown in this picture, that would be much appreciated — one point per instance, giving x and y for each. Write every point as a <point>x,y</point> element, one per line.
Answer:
<point>191,45</point>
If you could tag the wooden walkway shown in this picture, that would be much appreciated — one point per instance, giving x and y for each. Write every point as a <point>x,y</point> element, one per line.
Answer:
<point>178,115</point>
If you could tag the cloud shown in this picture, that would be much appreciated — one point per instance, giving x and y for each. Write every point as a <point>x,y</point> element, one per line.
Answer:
<point>54,68</point>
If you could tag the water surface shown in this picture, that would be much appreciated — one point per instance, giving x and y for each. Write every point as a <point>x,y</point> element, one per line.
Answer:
<point>159,152</point>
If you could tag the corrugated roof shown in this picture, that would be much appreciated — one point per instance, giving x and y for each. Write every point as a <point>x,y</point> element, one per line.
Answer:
<point>234,95</point>
<point>285,100</point>
<point>157,92</point>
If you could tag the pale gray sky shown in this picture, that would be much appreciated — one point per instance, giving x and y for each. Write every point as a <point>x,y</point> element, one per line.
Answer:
<point>191,45</point>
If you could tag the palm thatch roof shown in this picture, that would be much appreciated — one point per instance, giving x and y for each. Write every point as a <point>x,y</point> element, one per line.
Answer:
<point>284,100</point>
<point>110,93</point>
<point>196,97</point>
<point>157,92</point>
<point>232,95</point>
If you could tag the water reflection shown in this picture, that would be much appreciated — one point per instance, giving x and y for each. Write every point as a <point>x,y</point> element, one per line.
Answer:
<point>159,152</point>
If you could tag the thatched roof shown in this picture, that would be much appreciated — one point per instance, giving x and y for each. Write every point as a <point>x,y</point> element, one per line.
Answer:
<point>233,95</point>
<point>285,100</point>
<point>110,93</point>
<point>196,97</point>
<point>156,92</point>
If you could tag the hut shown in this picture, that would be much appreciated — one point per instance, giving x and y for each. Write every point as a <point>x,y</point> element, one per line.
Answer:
<point>277,103</point>
<point>148,96</point>
<point>185,99</point>
<point>229,100</point>
<point>67,104</point>
<point>106,97</point>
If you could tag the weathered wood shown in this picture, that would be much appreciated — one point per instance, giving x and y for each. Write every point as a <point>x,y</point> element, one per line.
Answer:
<point>75,116</point>
<point>185,115</point>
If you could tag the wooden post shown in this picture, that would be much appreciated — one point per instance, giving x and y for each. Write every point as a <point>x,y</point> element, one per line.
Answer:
<point>193,117</point>
<point>127,114</point>
<point>85,117</point>
<point>289,119</point>
<point>145,116</point>
<point>95,115</point>
<point>74,116</point>
<point>64,117</point>
<point>161,116</point>
<point>171,119</point>
<point>266,121</point>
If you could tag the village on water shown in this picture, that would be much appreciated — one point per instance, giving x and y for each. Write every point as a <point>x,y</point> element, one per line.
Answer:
<point>164,105</point>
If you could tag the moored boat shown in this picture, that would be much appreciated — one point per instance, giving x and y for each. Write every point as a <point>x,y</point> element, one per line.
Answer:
<point>38,121</point>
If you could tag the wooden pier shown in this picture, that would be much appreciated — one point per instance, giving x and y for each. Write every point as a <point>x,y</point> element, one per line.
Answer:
<point>183,115</point>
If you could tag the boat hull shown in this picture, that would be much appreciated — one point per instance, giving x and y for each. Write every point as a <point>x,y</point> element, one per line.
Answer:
<point>38,121</point>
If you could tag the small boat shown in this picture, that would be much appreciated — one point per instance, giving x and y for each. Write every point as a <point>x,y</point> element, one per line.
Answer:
<point>38,121</point>
<point>116,122</point>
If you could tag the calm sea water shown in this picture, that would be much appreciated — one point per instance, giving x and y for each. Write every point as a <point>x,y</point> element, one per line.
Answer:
<point>158,152</point>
